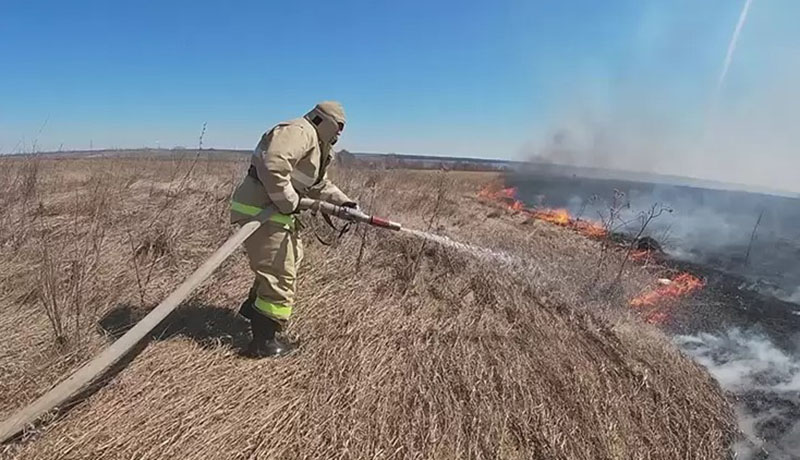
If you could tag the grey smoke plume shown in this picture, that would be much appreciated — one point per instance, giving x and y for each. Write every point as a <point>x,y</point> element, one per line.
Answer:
<point>665,110</point>
<point>766,383</point>
<point>755,143</point>
<point>711,227</point>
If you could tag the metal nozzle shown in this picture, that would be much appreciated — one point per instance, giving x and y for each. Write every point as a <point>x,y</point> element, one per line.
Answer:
<point>378,222</point>
<point>352,215</point>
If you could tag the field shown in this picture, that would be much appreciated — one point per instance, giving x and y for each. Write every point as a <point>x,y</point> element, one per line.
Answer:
<point>409,349</point>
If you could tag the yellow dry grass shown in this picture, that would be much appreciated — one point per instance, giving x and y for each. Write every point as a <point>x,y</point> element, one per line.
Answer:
<point>409,350</point>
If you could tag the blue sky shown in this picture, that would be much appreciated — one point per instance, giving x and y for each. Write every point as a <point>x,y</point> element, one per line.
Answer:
<point>488,79</point>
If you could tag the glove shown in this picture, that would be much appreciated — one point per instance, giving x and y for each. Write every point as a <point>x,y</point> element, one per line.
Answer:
<point>351,205</point>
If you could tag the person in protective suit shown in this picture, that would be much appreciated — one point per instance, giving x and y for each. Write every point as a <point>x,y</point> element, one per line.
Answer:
<point>289,163</point>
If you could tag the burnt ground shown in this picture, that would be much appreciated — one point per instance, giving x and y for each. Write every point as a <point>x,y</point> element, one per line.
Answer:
<point>709,226</point>
<point>749,341</point>
<point>743,326</point>
<point>727,301</point>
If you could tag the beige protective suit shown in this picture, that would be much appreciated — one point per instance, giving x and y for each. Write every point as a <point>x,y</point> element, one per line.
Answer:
<point>289,163</point>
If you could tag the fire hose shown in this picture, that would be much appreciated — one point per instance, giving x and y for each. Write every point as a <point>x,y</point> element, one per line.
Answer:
<point>86,377</point>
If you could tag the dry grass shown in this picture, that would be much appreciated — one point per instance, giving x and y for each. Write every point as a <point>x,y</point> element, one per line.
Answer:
<point>409,350</point>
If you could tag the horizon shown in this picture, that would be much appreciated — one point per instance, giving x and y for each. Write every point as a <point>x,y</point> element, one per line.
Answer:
<point>632,175</point>
<point>652,86</point>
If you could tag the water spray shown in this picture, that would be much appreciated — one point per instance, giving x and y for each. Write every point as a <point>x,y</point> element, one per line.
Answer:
<point>355,215</point>
<point>475,251</point>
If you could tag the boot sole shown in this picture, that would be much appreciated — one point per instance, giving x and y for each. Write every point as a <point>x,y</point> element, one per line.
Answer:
<point>263,354</point>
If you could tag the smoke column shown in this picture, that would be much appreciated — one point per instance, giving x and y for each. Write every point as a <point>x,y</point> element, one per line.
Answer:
<point>732,45</point>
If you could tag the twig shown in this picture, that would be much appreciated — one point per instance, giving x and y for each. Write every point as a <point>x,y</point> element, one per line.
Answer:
<point>440,194</point>
<point>136,269</point>
<point>36,138</point>
<point>752,238</point>
<point>170,194</point>
<point>655,211</point>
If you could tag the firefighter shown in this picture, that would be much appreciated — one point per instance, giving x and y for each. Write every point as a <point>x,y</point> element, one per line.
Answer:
<point>289,163</point>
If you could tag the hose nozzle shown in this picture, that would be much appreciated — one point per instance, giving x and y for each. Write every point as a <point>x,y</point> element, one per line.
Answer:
<point>350,214</point>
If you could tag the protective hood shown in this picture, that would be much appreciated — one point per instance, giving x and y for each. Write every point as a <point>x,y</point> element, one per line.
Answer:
<point>329,119</point>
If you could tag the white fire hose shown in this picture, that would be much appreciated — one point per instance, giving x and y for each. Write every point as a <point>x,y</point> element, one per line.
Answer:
<point>82,380</point>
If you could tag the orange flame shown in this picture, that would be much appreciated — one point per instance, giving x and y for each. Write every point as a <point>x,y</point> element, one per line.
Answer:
<point>555,216</point>
<point>654,303</point>
<point>590,229</point>
<point>658,300</point>
<point>681,285</point>
<point>560,216</point>
<point>505,195</point>
<point>657,317</point>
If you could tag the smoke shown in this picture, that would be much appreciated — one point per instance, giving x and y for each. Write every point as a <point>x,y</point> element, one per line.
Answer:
<point>753,143</point>
<point>794,297</point>
<point>766,383</point>
<point>742,361</point>
<point>706,226</point>
<point>666,109</point>
<point>715,227</point>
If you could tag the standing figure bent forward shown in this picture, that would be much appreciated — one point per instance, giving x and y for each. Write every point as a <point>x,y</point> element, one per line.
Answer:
<point>289,163</point>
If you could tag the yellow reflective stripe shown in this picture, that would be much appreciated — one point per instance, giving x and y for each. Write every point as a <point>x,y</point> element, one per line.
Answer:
<point>274,310</point>
<point>284,219</point>
<point>245,209</point>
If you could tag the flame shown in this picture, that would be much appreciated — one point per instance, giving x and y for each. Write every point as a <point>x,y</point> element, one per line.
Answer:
<point>681,285</point>
<point>590,229</point>
<point>509,193</point>
<point>654,303</point>
<point>560,216</point>
<point>505,195</point>
<point>487,192</point>
<point>555,216</point>
<point>657,317</point>
<point>658,301</point>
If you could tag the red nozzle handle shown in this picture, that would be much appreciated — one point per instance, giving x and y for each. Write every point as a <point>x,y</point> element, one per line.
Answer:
<point>379,222</point>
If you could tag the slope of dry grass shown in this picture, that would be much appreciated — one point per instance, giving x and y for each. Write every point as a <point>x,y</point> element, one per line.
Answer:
<point>409,349</point>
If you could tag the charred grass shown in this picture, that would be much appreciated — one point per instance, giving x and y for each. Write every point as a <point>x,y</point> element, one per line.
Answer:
<point>409,349</point>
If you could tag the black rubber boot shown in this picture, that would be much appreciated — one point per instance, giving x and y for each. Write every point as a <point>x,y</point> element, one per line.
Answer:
<point>246,309</point>
<point>264,343</point>
<point>248,306</point>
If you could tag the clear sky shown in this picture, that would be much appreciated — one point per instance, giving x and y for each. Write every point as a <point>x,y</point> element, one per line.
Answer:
<point>487,79</point>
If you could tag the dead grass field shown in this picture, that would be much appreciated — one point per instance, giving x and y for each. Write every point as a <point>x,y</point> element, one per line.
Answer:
<point>409,350</point>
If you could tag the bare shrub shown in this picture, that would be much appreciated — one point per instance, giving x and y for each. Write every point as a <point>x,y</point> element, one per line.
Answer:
<point>645,218</point>
<point>66,273</point>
